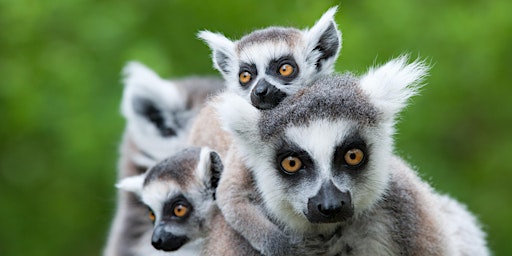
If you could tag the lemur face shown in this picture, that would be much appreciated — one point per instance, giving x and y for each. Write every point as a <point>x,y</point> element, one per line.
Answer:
<point>269,64</point>
<point>158,111</point>
<point>180,194</point>
<point>321,156</point>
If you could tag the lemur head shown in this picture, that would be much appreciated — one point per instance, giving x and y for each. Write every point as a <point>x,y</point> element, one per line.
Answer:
<point>268,64</point>
<point>180,194</point>
<point>321,156</point>
<point>158,111</point>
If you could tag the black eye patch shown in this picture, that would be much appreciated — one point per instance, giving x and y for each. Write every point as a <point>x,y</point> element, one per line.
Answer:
<point>251,69</point>
<point>275,65</point>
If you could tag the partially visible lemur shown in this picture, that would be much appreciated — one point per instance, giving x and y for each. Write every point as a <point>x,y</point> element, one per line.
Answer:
<point>321,165</point>
<point>158,113</point>
<point>179,193</point>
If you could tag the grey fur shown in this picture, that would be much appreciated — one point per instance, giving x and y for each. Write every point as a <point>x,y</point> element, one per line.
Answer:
<point>130,222</point>
<point>175,168</point>
<point>405,216</point>
<point>271,34</point>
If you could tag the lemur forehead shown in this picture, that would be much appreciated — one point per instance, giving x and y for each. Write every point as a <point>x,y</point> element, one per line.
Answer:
<point>179,167</point>
<point>331,97</point>
<point>290,36</point>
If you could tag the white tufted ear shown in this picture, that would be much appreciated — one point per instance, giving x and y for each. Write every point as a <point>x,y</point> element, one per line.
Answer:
<point>239,117</point>
<point>223,51</point>
<point>132,184</point>
<point>324,42</point>
<point>392,84</point>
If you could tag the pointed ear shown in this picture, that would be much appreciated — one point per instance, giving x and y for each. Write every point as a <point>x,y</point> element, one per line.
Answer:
<point>324,42</point>
<point>392,84</point>
<point>223,51</point>
<point>210,167</point>
<point>132,184</point>
<point>239,117</point>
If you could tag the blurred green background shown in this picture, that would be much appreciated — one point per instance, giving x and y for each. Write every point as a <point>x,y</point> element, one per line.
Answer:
<point>60,92</point>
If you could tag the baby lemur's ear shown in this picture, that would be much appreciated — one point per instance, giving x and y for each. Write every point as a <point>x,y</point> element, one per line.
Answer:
<point>132,184</point>
<point>210,167</point>
<point>223,51</point>
<point>324,42</point>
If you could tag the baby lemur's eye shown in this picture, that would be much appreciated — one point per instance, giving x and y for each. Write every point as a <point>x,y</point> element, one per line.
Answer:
<point>180,210</point>
<point>354,156</point>
<point>286,70</point>
<point>152,216</point>
<point>291,164</point>
<point>245,77</point>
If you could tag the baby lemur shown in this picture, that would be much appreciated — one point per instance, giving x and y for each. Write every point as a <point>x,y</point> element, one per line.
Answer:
<point>179,193</point>
<point>321,165</point>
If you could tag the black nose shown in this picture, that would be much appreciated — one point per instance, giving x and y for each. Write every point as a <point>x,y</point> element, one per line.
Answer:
<point>166,241</point>
<point>330,205</point>
<point>265,95</point>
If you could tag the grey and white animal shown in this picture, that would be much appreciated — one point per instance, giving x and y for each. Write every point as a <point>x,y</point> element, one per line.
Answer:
<point>321,165</point>
<point>268,64</point>
<point>179,193</point>
<point>158,115</point>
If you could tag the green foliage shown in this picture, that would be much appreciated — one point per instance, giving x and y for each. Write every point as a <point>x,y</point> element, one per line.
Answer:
<point>60,91</point>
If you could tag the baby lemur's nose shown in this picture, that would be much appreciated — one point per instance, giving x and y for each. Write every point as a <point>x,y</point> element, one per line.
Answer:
<point>330,205</point>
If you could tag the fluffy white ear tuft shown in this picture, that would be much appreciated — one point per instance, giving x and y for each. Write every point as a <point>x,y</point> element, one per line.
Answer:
<point>132,184</point>
<point>324,41</point>
<point>239,117</point>
<point>392,84</point>
<point>223,51</point>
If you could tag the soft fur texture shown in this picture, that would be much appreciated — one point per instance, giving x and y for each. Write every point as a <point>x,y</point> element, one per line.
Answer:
<point>312,52</point>
<point>158,114</point>
<point>192,175</point>
<point>395,212</point>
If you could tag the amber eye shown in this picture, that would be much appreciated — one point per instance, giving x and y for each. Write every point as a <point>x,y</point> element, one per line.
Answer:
<point>291,164</point>
<point>180,210</point>
<point>286,70</point>
<point>245,77</point>
<point>152,216</point>
<point>354,156</point>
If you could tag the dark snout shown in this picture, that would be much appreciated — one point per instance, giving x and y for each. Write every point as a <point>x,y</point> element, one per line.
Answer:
<point>330,205</point>
<point>265,95</point>
<point>166,241</point>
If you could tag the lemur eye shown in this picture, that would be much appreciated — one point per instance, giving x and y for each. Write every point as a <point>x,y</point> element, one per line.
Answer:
<point>180,210</point>
<point>291,164</point>
<point>245,77</point>
<point>354,156</point>
<point>152,216</point>
<point>286,70</point>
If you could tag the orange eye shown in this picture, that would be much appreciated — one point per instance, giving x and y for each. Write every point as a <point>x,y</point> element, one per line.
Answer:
<point>152,216</point>
<point>291,164</point>
<point>180,210</point>
<point>354,156</point>
<point>286,70</point>
<point>245,77</point>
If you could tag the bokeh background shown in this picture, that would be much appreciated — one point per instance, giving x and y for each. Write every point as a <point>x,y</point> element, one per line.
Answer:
<point>60,90</point>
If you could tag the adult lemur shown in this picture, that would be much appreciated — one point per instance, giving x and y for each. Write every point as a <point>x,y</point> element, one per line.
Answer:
<point>158,114</point>
<point>320,165</point>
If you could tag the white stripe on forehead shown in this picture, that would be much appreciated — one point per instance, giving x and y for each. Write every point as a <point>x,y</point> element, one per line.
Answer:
<point>319,138</point>
<point>261,54</point>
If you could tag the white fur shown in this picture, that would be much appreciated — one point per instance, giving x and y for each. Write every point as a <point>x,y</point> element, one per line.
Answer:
<point>219,43</point>
<point>140,81</point>
<point>132,184</point>
<point>392,84</point>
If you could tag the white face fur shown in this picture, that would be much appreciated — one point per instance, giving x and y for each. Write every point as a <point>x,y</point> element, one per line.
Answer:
<point>267,65</point>
<point>342,154</point>
<point>179,193</point>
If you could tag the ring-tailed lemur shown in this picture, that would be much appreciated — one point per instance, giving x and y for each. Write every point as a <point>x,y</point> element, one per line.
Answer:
<point>322,165</point>
<point>268,64</point>
<point>158,114</point>
<point>179,193</point>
